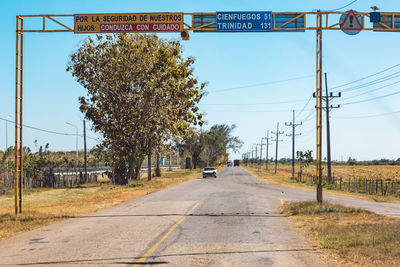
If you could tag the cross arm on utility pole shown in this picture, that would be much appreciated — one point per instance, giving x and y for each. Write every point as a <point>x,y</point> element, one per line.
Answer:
<point>294,135</point>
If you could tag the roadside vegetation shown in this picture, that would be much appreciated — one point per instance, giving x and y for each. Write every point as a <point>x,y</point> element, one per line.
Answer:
<point>353,237</point>
<point>141,93</point>
<point>378,183</point>
<point>142,99</point>
<point>44,206</point>
<point>209,147</point>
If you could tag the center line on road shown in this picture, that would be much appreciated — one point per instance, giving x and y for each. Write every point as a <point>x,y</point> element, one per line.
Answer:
<point>151,250</point>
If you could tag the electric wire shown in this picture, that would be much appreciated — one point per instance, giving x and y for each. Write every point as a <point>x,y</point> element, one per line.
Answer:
<point>372,90</point>
<point>248,111</point>
<point>336,9</point>
<point>308,132</point>
<point>370,99</point>
<point>49,131</point>
<point>301,111</point>
<point>368,116</point>
<point>254,104</point>
<point>309,116</point>
<point>373,82</point>
<point>366,77</point>
<point>260,84</point>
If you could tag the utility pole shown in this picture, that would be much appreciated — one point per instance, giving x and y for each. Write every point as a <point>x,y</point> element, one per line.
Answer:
<point>84,150</point>
<point>257,162</point>
<point>177,157</point>
<point>76,128</point>
<point>261,145</point>
<point>276,148</point>
<point>256,155</point>
<point>293,135</point>
<point>149,166</point>
<point>252,156</point>
<point>266,156</point>
<point>327,109</point>
<point>251,159</point>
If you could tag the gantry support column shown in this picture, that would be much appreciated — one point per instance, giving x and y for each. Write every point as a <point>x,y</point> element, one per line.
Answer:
<point>18,151</point>
<point>318,97</point>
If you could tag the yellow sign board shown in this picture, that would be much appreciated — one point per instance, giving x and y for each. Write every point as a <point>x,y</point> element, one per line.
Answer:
<point>136,22</point>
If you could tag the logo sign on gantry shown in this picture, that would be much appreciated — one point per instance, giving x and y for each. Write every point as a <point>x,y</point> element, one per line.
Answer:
<point>137,22</point>
<point>242,21</point>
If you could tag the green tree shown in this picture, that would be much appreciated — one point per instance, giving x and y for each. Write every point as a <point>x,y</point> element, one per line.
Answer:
<point>140,93</point>
<point>219,140</point>
<point>194,143</point>
<point>305,158</point>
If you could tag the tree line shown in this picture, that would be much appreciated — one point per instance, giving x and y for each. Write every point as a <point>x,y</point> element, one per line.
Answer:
<point>210,146</point>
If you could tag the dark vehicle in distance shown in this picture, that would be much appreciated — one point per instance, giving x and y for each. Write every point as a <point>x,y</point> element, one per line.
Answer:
<point>236,163</point>
<point>210,171</point>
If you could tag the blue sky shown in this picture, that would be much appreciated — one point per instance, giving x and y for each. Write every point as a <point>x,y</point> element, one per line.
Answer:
<point>253,61</point>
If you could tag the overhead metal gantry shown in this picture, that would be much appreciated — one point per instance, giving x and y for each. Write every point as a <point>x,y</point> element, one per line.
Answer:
<point>183,23</point>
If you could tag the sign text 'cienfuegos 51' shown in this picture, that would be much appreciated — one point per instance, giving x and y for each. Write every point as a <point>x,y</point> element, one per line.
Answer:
<point>244,21</point>
<point>130,22</point>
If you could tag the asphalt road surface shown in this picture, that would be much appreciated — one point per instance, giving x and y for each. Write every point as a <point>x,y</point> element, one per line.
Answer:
<point>231,220</point>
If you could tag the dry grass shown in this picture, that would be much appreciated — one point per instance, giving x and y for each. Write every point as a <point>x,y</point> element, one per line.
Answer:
<point>45,206</point>
<point>354,237</point>
<point>280,178</point>
<point>345,171</point>
<point>283,177</point>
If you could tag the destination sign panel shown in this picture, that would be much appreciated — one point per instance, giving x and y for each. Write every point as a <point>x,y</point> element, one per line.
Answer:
<point>242,21</point>
<point>137,22</point>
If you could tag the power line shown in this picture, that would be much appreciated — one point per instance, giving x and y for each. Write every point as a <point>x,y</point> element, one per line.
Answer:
<point>368,116</point>
<point>48,131</point>
<point>301,111</point>
<point>370,99</point>
<point>260,84</point>
<point>336,9</point>
<point>366,77</point>
<point>309,116</point>
<point>306,133</point>
<point>373,82</point>
<point>254,104</point>
<point>248,111</point>
<point>373,90</point>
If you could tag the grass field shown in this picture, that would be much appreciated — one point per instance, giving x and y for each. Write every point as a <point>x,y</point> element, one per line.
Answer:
<point>352,237</point>
<point>45,206</point>
<point>283,177</point>
<point>345,171</point>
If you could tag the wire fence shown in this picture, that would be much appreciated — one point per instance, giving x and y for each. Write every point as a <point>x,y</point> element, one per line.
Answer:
<point>51,177</point>
<point>370,186</point>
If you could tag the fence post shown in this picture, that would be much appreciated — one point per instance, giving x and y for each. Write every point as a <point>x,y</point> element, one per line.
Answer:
<point>392,188</point>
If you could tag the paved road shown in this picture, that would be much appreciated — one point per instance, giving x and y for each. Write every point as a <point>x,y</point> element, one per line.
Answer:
<point>232,220</point>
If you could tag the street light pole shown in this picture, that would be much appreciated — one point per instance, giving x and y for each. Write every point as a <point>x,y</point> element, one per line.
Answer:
<point>76,128</point>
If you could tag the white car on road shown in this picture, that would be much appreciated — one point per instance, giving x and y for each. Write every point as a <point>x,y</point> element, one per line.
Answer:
<point>210,171</point>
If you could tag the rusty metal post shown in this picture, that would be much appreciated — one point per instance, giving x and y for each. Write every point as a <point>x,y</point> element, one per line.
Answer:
<point>318,97</point>
<point>18,151</point>
<point>21,150</point>
<point>16,115</point>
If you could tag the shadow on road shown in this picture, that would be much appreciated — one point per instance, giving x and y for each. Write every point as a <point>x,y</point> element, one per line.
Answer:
<point>132,260</point>
<point>266,215</point>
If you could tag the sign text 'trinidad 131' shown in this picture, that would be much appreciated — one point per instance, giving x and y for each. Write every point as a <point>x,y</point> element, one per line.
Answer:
<point>139,22</point>
<point>242,21</point>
